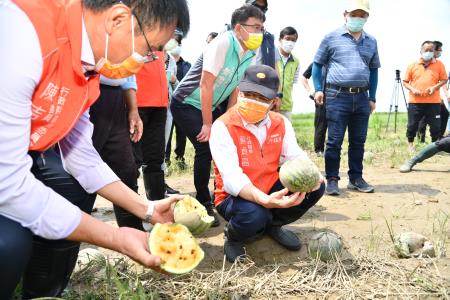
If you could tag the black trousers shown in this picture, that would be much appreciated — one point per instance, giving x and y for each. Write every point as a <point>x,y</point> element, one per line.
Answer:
<point>150,150</point>
<point>112,141</point>
<point>190,119</point>
<point>431,113</point>
<point>320,128</point>
<point>44,265</point>
<point>423,125</point>
<point>180,143</point>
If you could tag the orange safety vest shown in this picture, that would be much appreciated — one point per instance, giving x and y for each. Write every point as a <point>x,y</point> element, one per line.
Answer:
<point>63,93</point>
<point>259,163</point>
<point>153,90</point>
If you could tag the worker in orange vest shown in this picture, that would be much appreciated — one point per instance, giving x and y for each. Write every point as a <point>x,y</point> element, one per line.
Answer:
<point>247,143</point>
<point>51,55</point>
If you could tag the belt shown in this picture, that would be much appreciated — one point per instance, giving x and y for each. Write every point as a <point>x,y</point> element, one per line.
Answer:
<point>344,89</point>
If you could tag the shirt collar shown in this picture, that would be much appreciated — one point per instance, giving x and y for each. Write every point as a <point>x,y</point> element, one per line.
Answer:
<point>422,62</point>
<point>281,56</point>
<point>87,55</point>
<point>265,122</point>
<point>343,30</point>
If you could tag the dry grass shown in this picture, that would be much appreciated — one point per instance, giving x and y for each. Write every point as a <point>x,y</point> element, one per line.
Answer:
<point>360,277</point>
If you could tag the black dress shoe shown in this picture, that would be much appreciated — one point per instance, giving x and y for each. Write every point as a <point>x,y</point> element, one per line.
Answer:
<point>212,213</point>
<point>232,248</point>
<point>170,190</point>
<point>285,238</point>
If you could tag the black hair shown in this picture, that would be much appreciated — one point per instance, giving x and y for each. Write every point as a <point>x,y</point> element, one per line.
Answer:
<point>429,42</point>
<point>288,31</point>
<point>437,44</point>
<point>243,13</point>
<point>213,35</point>
<point>150,12</point>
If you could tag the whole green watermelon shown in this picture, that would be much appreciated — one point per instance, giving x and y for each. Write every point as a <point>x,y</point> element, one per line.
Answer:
<point>299,175</point>
<point>325,246</point>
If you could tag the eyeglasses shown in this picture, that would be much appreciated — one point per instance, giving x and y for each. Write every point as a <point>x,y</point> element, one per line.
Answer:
<point>257,27</point>
<point>150,55</point>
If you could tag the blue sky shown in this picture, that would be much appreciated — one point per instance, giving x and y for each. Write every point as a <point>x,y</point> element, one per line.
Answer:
<point>400,26</point>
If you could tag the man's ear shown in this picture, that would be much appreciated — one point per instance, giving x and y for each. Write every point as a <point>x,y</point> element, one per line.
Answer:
<point>117,16</point>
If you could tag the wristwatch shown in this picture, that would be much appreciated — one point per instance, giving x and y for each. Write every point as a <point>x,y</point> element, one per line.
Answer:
<point>149,213</point>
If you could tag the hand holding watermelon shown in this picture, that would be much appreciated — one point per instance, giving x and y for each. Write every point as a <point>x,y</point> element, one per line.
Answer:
<point>163,212</point>
<point>281,200</point>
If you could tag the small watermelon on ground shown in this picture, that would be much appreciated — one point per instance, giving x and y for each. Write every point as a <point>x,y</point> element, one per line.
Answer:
<point>299,175</point>
<point>177,247</point>
<point>325,246</point>
<point>192,214</point>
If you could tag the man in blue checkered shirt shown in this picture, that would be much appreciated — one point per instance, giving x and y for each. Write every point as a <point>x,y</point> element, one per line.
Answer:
<point>352,61</point>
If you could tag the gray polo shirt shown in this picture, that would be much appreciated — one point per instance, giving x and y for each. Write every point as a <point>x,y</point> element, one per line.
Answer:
<point>348,60</point>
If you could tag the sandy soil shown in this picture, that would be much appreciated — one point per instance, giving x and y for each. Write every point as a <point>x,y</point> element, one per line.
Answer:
<point>410,201</point>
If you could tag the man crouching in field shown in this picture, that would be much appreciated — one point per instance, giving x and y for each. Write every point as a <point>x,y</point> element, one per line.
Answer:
<point>247,143</point>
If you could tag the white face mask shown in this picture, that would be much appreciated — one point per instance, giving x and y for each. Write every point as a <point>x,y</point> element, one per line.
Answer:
<point>176,51</point>
<point>287,46</point>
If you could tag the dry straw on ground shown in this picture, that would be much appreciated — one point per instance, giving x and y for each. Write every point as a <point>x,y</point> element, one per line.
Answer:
<point>356,278</point>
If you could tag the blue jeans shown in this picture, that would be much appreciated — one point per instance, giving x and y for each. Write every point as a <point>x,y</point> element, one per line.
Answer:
<point>344,111</point>
<point>250,220</point>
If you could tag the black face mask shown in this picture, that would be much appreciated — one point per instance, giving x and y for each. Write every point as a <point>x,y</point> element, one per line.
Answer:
<point>263,8</point>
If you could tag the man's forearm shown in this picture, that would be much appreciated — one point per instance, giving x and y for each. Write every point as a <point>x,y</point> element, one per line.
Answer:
<point>251,193</point>
<point>93,231</point>
<point>121,195</point>
<point>232,100</point>
<point>305,84</point>
<point>130,99</point>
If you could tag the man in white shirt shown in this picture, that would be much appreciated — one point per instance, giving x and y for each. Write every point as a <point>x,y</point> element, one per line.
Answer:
<point>247,143</point>
<point>48,81</point>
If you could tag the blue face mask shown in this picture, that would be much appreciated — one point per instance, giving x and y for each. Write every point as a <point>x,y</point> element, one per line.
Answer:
<point>355,24</point>
<point>427,55</point>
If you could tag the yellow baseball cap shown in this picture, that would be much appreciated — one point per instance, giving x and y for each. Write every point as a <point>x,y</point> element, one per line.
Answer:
<point>353,5</point>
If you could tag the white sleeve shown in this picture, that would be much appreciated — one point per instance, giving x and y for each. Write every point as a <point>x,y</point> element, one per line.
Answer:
<point>224,154</point>
<point>23,198</point>
<point>290,148</point>
<point>214,54</point>
<point>81,160</point>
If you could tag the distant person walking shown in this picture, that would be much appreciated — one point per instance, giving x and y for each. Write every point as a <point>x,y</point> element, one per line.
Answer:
<point>351,56</point>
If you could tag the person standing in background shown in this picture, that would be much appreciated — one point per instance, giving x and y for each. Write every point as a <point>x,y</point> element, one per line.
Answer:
<point>351,57</point>
<point>445,96</point>
<point>423,79</point>
<point>320,118</point>
<point>180,138</point>
<point>116,125</point>
<point>210,81</point>
<point>288,68</point>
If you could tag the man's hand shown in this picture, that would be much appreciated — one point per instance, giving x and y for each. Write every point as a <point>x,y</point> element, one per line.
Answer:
<point>136,126</point>
<point>280,200</point>
<point>318,98</point>
<point>416,92</point>
<point>173,79</point>
<point>163,212</point>
<point>203,136</point>
<point>430,90</point>
<point>134,243</point>
<point>373,105</point>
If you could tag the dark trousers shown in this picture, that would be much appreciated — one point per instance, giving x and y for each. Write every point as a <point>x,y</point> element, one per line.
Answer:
<point>150,150</point>
<point>320,128</point>
<point>111,139</point>
<point>190,119</point>
<point>431,113</point>
<point>423,125</point>
<point>250,220</point>
<point>344,111</point>
<point>444,144</point>
<point>45,265</point>
<point>180,143</point>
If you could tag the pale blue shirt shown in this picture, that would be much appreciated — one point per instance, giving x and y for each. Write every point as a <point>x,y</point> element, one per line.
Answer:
<point>23,198</point>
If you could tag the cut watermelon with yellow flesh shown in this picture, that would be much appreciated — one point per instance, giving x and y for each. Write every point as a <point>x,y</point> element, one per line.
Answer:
<point>191,213</point>
<point>176,246</point>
